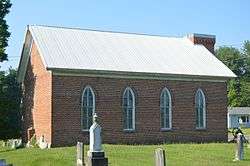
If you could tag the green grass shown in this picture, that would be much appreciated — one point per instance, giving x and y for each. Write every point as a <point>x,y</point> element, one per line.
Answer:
<point>246,131</point>
<point>128,155</point>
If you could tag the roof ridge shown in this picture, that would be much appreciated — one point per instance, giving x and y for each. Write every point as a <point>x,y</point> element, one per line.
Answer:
<point>108,31</point>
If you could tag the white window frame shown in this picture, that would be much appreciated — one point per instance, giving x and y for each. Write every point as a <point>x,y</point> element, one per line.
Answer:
<point>170,109</point>
<point>82,105</point>
<point>204,109</point>
<point>133,109</point>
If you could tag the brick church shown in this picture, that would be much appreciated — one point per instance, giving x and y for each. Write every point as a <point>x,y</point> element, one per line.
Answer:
<point>144,88</point>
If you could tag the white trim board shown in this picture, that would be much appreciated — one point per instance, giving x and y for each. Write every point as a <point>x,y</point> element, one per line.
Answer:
<point>144,76</point>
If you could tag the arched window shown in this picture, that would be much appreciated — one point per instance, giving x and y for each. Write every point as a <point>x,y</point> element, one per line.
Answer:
<point>166,109</point>
<point>87,107</point>
<point>128,106</point>
<point>200,108</point>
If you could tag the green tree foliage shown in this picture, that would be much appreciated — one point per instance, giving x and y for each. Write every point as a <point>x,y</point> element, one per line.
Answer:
<point>10,97</point>
<point>4,33</point>
<point>239,62</point>
<point>246,55</point>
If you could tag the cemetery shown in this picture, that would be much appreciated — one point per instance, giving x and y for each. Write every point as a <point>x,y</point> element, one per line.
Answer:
<point>133,155</point>
<point>96,154</point>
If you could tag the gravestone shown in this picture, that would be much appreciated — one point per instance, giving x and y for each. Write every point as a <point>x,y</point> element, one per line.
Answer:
<point>80,154</point>
<point>96,155</point>
<point>239,150</point>
<point>15,143</point>
<point>42,143</point>
<point>160,159</point>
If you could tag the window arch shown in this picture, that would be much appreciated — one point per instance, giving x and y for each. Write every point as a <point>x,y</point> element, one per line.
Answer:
<point>87,107</point>
<point>200,108</point>
<point>166,109</point>
<point>128,106</point>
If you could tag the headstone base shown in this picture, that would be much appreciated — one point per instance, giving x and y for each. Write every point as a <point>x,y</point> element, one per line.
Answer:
<point>97,159</point>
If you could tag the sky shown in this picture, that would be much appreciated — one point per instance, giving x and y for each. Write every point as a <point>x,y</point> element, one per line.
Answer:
<point>229,20</point>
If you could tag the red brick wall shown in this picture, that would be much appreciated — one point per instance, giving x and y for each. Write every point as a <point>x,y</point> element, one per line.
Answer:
<point>56,113</point>
<point>66,101</point>
<point>37,98</point>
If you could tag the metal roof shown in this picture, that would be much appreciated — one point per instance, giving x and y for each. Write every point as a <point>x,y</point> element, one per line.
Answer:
<point>239,110</point>
<point>67,48</point>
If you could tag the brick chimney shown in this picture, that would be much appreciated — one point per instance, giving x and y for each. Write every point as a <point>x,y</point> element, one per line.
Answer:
<point>207,40</point>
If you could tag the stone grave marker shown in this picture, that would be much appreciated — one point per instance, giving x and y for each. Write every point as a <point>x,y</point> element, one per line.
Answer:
<point>96,155</point>
<point>239,150</point>
<point>42,143</point>
<point>80,154</point>
<point>160,159</point>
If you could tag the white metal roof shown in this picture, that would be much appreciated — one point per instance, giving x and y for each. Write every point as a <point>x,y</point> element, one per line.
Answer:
<point>67,48</point>
<point>239,110</point>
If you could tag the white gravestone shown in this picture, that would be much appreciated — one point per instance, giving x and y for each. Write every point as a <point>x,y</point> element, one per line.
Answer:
<point>96,155</point>
<point>239,148</point>
<point>80,152</point>
<point>95,144</point>
<point>239,154</point>
<point>42,143</point>
<point>160,159</point>
<point>16,143</point>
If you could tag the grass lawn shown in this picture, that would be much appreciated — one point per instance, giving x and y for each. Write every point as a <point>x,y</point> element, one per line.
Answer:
<point>128,155</point>
<point>246,131</point>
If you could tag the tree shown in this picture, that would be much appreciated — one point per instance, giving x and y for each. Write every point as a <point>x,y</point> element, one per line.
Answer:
<point>10,98</point>
<point>232,58</point>
<point>246,55</point>
<point>4,33</point>
<point>239,62</point>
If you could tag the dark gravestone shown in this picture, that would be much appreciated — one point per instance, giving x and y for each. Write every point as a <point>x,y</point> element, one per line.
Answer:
<point>97,159</point>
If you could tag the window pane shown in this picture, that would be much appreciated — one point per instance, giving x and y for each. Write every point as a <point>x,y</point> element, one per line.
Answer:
<point>243,118</point>
<point>167,122</point>
<point>201,100</point>
<point>84,118</point>
<point>201,117</point>
<point>197,116</point>
<point>90,100</point>
<point>130,100</point>
<point>167,100</point>
<point>130,118</point>
<point>85,98</point>
<point>90,116</point>
<point>162,117</point>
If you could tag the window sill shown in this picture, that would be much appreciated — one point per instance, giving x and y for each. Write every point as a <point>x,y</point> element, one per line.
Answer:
<point>200,129</point>
<point>166,129</point>
<point>129,130</point>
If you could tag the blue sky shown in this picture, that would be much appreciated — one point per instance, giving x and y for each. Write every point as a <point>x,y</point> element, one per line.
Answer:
<point>229,20</point>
